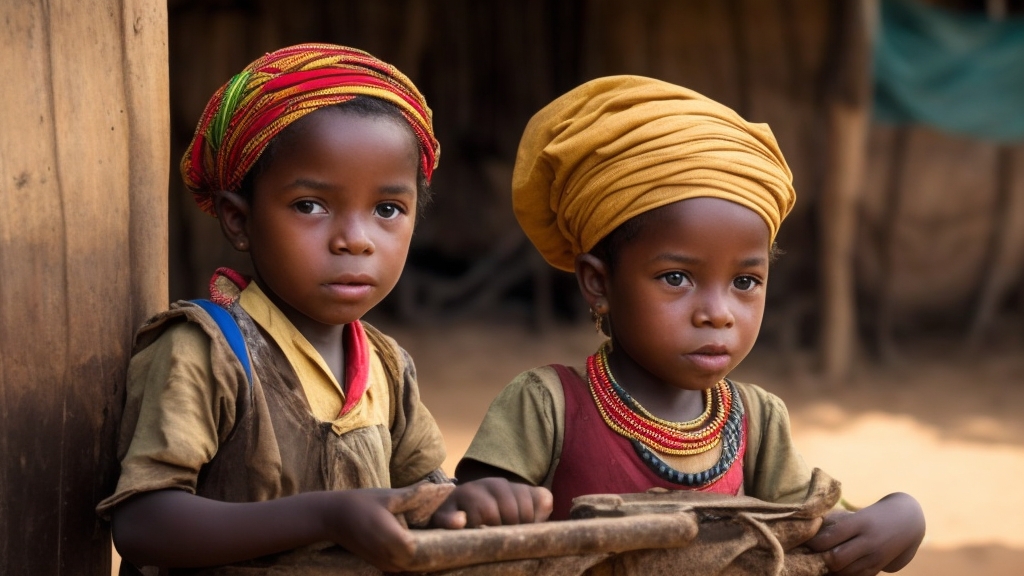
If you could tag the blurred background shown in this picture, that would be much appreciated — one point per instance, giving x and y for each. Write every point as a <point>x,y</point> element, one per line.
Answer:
<point>895,322</point>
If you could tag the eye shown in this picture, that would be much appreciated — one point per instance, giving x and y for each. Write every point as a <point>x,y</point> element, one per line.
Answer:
<point>310,207</point>
<point>746,283</point>
<point>388,210</point>
<point>675,278</point>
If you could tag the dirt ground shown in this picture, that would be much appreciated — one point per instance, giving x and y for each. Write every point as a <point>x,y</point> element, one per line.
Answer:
<point>942,424</point>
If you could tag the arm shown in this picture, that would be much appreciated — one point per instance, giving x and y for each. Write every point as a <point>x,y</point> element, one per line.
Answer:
<point>511,455</point>
<point>882,537</point>
<point>174,528</point>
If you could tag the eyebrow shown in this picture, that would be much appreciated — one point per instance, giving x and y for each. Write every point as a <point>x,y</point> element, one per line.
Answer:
<point>386,190</point>
<point>688,260</point>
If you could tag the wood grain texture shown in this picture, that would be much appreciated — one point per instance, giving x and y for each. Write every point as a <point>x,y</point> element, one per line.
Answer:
<point>83,177</point>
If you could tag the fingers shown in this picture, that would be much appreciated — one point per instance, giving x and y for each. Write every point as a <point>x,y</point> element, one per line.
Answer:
<point>853,558</point>
<point>525,505</point>
<point>837,538</point>
<point>543,503</point>
<point>854,561</point>
<point>494,502</point>
<point>837,528</point>
<point>449,518</point>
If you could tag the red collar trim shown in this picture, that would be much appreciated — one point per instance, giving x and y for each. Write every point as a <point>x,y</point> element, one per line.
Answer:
<point>357,365</point>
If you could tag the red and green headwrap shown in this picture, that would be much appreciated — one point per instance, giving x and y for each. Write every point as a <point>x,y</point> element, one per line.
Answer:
<point>245,114</point>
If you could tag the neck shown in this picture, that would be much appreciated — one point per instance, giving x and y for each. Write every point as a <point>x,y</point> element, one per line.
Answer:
<point>326,339</point>
<point>657,397</point>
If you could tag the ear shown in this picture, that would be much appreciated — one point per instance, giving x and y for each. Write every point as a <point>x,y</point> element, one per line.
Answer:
<point>233,212</point>
<point>592,276</point>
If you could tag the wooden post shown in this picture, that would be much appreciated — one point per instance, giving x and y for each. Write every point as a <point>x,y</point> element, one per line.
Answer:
<point>1006,246</point>
<point>83,183</point>
<point>847,107</point>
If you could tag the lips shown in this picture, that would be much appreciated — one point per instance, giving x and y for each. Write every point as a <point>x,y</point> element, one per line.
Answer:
<point>353,279</point>
<point>711,349</point>
<point>351,286</point>
<point>712,357</point>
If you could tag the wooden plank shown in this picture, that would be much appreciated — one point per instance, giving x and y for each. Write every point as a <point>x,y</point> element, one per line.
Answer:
<point>83,164</point>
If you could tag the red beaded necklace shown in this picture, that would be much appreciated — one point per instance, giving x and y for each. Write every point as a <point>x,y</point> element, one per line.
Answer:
<point>629,419</point>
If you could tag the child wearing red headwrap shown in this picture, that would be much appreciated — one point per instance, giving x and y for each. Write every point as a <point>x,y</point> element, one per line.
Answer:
<point>314,159</point>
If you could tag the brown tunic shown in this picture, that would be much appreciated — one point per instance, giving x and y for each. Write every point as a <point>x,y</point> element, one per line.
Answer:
<point>192,422</point>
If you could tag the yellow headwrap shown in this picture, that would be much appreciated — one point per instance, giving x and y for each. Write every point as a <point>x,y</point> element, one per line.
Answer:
<point>620,146</point>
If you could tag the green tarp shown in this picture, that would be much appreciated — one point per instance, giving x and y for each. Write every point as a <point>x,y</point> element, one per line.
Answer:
<point>960,72</point>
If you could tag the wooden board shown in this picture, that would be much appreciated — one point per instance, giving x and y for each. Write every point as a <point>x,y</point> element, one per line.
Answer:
<point>83,178</point>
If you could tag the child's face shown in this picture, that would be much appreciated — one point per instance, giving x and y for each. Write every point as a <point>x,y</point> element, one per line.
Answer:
<point>332,216</point>
<point>686,295</point>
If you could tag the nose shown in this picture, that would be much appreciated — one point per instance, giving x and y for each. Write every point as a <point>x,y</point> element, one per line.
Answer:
<point>713,311</point>
<point>351,237</point>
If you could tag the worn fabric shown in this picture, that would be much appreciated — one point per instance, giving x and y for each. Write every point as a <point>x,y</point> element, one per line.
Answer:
<point>619,146</point>
<point>523,432</point>
<point>192,422</point>
<point>956,70</point>
<point>245,114</point>
<point>598,460</point>
<point>355,405</point>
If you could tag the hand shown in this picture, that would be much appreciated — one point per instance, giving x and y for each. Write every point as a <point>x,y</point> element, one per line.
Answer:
<point>883,536</point>
<point>364,523</point>
<point>493,502</point>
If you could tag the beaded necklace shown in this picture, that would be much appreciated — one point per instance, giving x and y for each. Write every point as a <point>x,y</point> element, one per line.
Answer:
<point>721,422</point>
<point>629,419</point>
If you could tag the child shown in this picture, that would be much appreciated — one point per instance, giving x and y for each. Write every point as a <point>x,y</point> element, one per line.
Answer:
<point>314,159</point>
<point>666,205</point>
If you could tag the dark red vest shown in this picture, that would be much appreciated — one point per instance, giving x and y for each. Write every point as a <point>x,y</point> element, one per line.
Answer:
<point>597,460</point>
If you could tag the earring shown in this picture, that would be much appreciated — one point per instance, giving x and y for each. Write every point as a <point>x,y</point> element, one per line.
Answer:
<point>598,315</point>
<point>242,245</point>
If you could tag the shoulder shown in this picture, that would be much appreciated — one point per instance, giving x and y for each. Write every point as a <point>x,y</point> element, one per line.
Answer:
<point>533,398</point>
<point>541,387</point>
<point>756,394</point>
<point>397,362</point>
<point>183,319</point>
<point>542,377</point>
<point>378,338</point>
<point>186,336</point>
<point>757,398</point>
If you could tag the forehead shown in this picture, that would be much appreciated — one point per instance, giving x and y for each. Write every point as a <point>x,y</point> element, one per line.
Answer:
<point>701,224</point>
<point>356,129</point>
<point>330,144</point>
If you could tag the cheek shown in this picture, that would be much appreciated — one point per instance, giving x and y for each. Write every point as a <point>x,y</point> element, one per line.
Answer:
<point>752,315</point>
<point>393,245</point>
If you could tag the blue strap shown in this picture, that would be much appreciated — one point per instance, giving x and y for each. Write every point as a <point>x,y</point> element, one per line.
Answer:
<point>232,333</point>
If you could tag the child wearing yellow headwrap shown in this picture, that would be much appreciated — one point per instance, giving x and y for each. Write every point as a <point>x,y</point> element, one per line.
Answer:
<point>666,205</point>
<point>270,417</point>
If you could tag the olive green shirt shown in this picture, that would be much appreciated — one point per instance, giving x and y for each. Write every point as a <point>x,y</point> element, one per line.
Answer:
<point>523,429</point>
